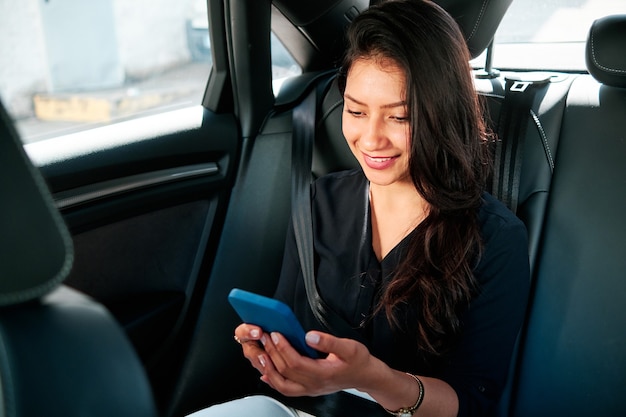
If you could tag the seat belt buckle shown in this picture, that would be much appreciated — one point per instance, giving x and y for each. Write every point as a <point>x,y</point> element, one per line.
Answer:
<point>523,82</point>
<point>520,86</point>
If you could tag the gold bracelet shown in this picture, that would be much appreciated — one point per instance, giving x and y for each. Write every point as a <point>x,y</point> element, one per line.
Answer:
<point>408,411</point>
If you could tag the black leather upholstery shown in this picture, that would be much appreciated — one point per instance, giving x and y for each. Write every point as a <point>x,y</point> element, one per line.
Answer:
<point>325,21</point>
<point>35,247</point>
<point>540,145</point>
<point>478,20</point>
<point>573,355</point>
<point>605,52</point>
<point>61,353</point>
<point>65,356</point>
<point>574,352</point>
<point>331,152</point>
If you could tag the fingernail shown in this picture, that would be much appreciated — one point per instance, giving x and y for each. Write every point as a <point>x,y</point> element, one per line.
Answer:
<point>263,340</point>
<point>274,338</point>
<point>262,360</point>
<point>254,333</point>
<point>312,338</point>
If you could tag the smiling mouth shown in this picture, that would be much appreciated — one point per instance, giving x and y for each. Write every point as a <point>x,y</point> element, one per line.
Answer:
<point>379,160</point>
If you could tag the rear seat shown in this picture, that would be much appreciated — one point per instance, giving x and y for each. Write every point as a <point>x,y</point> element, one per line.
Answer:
<point>540,142</point>
<point>572,358</point>
<point>572,352</point>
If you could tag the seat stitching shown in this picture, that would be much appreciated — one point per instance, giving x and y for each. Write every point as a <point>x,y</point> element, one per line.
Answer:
<point>544,140</point>
<point>597,63</point>
<point>330,110</point>
<point>478,20</point>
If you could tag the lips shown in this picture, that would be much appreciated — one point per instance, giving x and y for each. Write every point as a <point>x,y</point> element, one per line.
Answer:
<point>379,162</point>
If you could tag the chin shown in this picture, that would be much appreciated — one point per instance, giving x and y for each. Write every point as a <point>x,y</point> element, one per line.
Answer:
<point>380,178</point>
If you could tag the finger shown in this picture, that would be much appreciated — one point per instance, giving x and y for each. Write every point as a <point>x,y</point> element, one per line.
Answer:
<point>253,351</point>
<point>246,332</point>
<point>300,370</point>
<point>327,343</point>
<point>283,355</point>
<point>272,377</point>
<point>248,337</point>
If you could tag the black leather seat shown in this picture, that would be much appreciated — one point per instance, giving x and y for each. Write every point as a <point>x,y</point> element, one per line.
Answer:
<point>573,352</point>
<point>61,353</point>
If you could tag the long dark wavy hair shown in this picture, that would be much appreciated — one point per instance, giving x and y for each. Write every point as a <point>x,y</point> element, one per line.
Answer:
<point>448,164</point>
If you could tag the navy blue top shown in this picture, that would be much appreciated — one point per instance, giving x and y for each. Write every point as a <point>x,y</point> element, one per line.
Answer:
<point>349,276</point>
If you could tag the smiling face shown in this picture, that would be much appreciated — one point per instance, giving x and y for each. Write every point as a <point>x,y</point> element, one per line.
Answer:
<point>376,122</point>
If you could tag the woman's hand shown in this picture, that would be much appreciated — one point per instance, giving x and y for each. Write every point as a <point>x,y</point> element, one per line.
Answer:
<point>348,365</point>
<point>284,369</point>
<point>248,336</point>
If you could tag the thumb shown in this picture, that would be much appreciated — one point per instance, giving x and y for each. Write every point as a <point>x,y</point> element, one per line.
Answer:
<point>327,343</point>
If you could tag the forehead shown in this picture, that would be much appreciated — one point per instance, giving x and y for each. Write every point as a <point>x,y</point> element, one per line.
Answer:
<point>372,79</point>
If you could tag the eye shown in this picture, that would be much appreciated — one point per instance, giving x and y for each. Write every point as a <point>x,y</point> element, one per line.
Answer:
<point>355,113</point>
<point>400,119</point>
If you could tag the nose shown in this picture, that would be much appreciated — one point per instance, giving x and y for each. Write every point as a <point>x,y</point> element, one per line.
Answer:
<point>373,135</point>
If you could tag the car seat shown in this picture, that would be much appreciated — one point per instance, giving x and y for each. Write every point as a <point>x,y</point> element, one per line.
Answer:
<point>61,353</point>
<point>573,349</point>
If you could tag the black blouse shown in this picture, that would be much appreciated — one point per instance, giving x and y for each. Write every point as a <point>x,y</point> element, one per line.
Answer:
<point>349,277</point>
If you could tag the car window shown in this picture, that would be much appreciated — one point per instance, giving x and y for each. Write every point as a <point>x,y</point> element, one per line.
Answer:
<point>547,34</point>
<point>283,64</point>
<point>67,66</point>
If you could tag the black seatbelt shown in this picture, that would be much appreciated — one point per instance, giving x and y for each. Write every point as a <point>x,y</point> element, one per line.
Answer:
<point>301,157</point>
<point>514,117</point>
<point>304,119</point>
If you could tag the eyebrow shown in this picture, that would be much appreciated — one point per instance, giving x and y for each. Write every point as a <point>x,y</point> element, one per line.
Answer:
<point>384,106</point>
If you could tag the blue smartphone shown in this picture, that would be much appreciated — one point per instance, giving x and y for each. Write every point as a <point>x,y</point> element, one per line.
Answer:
<point>272,316</point>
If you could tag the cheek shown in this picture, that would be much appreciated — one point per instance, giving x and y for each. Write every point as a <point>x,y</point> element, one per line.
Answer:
<point>349,129</point>
<point>401,138</point>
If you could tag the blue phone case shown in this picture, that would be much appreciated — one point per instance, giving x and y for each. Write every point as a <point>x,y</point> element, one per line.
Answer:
<point>272,316</point>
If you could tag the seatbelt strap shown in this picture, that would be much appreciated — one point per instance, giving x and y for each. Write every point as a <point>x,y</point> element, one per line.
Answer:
<point>513,121</point>
<point>304,118</point>
<point>301,149</point>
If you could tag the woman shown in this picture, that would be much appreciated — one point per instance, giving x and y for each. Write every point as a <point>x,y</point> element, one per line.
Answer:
<point>430,270</point>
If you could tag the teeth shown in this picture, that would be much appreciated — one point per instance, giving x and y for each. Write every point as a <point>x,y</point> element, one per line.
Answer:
<point>379,159</point>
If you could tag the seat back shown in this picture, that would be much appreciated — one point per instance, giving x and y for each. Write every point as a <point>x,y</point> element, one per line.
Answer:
<point>573,352</point>
<point>35,247</point>
<point>61,353</point>
<point>538,141</point>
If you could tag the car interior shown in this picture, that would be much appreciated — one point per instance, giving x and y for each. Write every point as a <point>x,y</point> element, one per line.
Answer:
<point>119,245</point>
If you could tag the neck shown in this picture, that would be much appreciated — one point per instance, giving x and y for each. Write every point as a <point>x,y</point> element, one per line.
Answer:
<point>396,197</point>
<point>395,211</point>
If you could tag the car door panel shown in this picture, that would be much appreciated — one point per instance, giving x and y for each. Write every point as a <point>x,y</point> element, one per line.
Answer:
<point>142,200</point>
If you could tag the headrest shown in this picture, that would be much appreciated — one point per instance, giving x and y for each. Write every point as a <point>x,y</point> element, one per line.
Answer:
<point>35,246</point>
<point>606,50</point>
<point>324,20</point>
<point>478,19</point>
